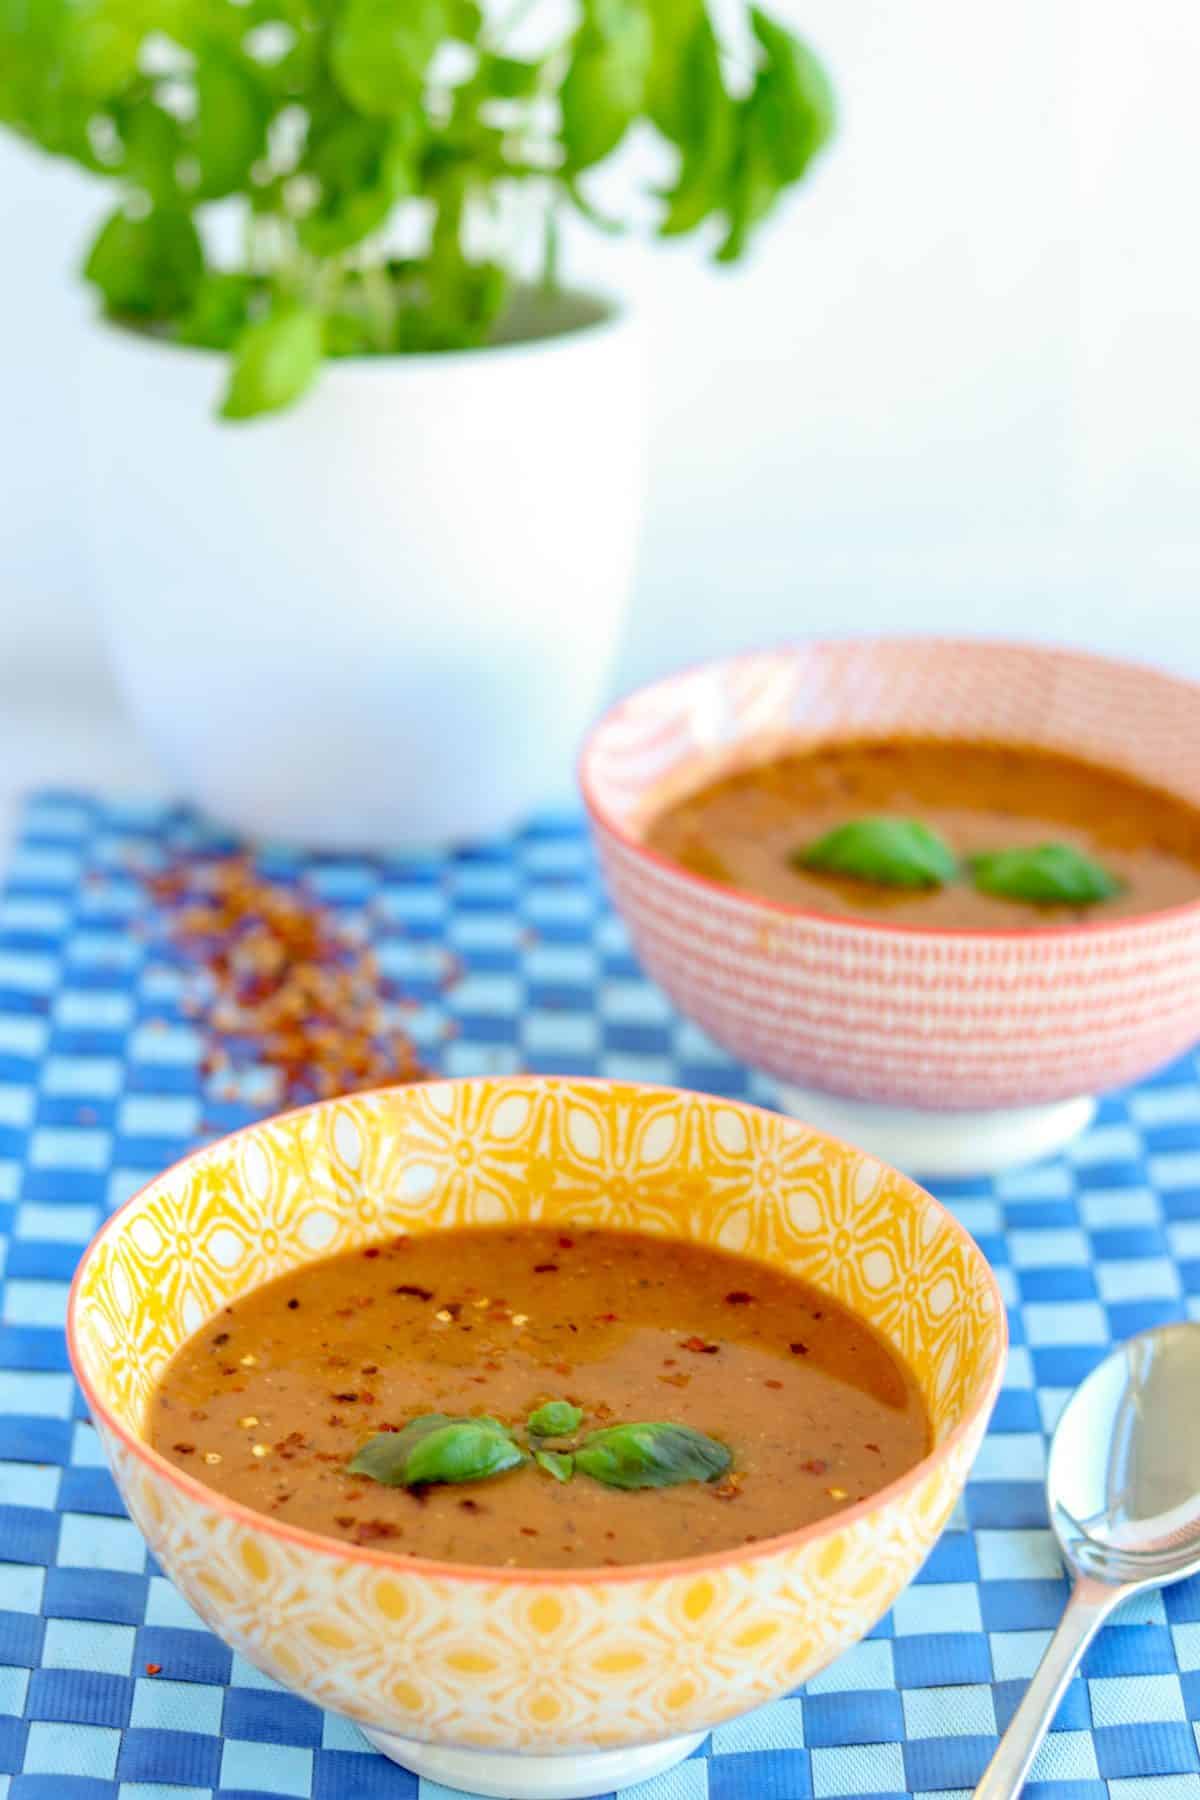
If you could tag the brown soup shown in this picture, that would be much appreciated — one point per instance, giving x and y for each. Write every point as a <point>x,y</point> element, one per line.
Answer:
<point>270,1401</point>
<point>980,797</point>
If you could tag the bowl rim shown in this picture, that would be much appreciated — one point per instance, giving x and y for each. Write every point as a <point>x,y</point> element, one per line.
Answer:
<point>430,1568</point>
<point>788,649</point>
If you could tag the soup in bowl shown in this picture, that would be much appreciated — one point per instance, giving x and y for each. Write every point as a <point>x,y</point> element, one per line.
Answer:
<point>945,893</point>
<point>537,1424</point>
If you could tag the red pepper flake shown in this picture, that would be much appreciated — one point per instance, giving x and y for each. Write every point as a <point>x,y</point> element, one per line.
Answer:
<point>154,1668</point>
<point>566,1243</point>
<point>563,1368</point>
<point>816,1465</point>
<point>292,1305</point>
<point>874,1447</point>
<point>370,1368</point>
<point>371,1252</point>
<point>472,1506</point>
<point>798,1349</point>
<point>530,1531</point>
<point>335,1419</point>
<point>773,1384</point>
<point>607,1318</point>
<point>296,1440</point>
<point>197,1412</point>
<point>345,1520</point>
<point>699,1346</point>
<point>287,985</point>
<point>371,1529</point>
<point>739,1298</point>
<point>222,1337</point>
<point>545,1268</point>
<point>413,1293</point>
<point>184,1449</point>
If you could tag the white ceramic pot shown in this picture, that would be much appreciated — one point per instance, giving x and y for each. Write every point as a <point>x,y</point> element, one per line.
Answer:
<point>385,617</point>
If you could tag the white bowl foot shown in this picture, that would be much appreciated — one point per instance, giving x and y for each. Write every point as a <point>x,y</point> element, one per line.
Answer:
<point>516,1777</point>
<point>943,1143</point>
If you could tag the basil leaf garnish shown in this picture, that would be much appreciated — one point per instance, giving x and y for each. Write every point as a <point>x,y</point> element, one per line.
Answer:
<point>651,1455</point>
<point>555,1463</point>
<point>888,852</point>
<point>1045,874</point>
<point>557,1418</point>
<point>435,1448</point>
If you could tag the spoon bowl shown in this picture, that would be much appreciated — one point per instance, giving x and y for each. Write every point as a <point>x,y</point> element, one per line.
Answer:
<point>1123,1491</point>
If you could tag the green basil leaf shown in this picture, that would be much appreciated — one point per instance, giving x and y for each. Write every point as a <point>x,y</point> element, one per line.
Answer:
<point>153,141</point>
<point>785,120</point>
<point>706,120</point>
<point>508,77</point>
<point>218,314</point>
<point>229,131</point>
<point>651,1455</point>
<point>797,108</point>
<point>381,50</point>
<point>147,268</point>
<point>557,1418</point>
<point>100,47</point>
<point>889,852</point>
<point>1046,875</point>
<point>275,361</point>
<point>437,1449</point>
<point>364,167</point>
<point>668,102</point>
<point>555,1463</point>
<point>605,84</point>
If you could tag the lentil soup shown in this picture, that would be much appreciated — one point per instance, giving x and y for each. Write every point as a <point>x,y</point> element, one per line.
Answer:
<point>806,1405</point>
<point>750,828</point>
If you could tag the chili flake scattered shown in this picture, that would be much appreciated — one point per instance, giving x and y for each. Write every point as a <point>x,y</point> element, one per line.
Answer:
<point>739,1298</point>
<point>154,1668</point>
<point>290,987</point>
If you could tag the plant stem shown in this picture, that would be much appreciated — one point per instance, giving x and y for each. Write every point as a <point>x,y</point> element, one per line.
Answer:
<point>381,305</point>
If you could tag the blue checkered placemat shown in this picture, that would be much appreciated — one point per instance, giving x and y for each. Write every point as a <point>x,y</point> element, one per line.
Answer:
<point>99,1089</point>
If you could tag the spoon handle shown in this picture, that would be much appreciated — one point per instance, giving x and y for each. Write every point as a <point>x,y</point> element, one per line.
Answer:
<point>1089,1606</point>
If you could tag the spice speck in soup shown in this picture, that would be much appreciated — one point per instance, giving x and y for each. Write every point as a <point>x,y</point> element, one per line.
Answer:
<point>394,1400</point>
<point>944,833</point>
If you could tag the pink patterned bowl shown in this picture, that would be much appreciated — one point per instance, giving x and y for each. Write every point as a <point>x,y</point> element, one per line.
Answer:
<point>544,1682</point>
<point>945,1051</point>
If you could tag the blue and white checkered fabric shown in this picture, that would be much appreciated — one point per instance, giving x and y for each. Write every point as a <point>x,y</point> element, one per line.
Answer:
<point>99,1089</point>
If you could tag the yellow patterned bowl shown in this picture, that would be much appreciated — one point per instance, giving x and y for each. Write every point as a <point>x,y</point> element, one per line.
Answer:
<point>511,1681</point>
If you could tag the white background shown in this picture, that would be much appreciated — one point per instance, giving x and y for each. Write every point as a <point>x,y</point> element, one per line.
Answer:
<point>959,386</point>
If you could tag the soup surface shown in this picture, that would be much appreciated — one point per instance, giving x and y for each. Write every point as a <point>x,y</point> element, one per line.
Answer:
<point>271,1400</point>
<point>980,797</point>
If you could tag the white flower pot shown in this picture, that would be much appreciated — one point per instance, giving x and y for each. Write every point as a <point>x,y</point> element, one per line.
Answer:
<point>385,617</point>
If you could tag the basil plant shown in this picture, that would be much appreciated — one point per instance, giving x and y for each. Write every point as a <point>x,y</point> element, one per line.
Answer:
<point>366,158</point>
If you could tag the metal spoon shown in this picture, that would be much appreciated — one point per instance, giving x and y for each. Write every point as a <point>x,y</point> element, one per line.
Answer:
<point>1123,1489</point>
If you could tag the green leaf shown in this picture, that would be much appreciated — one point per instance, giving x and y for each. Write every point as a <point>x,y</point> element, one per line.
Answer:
<point>229,132</point>
<point>153,141</point>
<point>674,24</point>
<point>218,313</point>
<point>275,361</point>
<point>796,107</point>
<point>555,1463</point>
<point>381,50</point>
<point>605,85</point>
<point>557,1418</point>
<point>706,117</point>
<point>436,1449</point>
<point>781,125</point>
<point>889,852</point>
<point>1046,875</point>
<point>466,20</point>
<point>100,46</point>
<point>508,77</point>
<point>651,1455</point>
<point>150,267</point>
<point>364,167</point>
